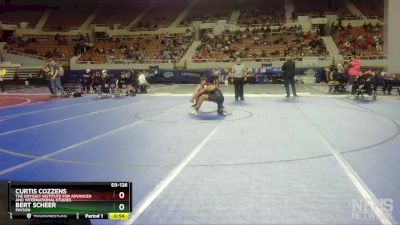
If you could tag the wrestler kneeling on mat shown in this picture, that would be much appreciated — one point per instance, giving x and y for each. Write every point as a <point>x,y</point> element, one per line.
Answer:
<point>207,92</point>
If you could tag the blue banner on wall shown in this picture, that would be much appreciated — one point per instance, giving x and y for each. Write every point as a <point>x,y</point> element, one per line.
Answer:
<point>193,76</point>
<point>177,76</point>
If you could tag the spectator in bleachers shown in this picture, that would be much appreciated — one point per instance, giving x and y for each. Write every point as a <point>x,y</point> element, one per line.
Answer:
<point>263,42</point>
<point>167,48</point>
<point>364,41</point>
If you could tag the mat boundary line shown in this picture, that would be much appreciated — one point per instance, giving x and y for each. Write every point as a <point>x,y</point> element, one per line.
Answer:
<point>72,118</point>
<point>24,164</point>
<point>355,179</point>
<point>164,183</point>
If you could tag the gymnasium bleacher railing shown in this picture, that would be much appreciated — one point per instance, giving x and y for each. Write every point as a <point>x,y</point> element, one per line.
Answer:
<point>265,59</point>
<point>261,25</point>
<point>125,62</point>
<point>366,57</point>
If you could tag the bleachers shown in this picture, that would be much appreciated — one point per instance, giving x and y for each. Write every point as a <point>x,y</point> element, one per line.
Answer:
<point>259,44</point>
<point>321,8</point>
<point>60,18</point>
<point>255,12</point>
<point>273,44</point>
<point>162,14</point>
<point>209,11</point>
<point>42,48</point>
<point>30,2</point>
<point>363,41</point>
<point>121,12</point>
<point>371,8</point>
<point>17,16</point>
<point>142,49</point>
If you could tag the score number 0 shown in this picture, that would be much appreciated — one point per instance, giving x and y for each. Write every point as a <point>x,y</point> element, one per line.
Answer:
<point>121,195</point>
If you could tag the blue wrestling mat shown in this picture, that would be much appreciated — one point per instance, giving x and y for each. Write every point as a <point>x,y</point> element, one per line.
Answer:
<point>304,160</point>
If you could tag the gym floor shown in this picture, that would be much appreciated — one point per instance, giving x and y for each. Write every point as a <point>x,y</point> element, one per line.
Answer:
<point>275,160</point>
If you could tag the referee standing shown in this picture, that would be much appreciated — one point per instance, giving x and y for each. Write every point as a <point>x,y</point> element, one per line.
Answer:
<point>239,76</point>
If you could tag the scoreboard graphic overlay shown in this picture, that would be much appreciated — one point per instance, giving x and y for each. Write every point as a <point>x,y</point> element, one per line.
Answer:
<point>70,200</point>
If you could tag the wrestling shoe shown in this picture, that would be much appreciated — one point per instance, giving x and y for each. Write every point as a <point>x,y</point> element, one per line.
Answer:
<point>353,97</point>
<point>194,113</point>
<point>222,112</point>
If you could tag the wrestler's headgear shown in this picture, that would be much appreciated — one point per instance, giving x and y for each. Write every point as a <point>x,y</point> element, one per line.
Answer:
<point>203,78</point>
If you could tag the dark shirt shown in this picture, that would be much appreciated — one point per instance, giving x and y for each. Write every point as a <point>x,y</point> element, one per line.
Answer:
<point>288,69</point>
<point>54,69</point>
<point>134,79</point>
<point>86,79</point>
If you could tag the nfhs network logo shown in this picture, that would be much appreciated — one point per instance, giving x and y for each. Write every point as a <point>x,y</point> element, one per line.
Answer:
<point>368,209</point>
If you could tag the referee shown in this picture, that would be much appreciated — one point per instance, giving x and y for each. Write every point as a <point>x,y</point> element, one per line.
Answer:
<point>239,76</point>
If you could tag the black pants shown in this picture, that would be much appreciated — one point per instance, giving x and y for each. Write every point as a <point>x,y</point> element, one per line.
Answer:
<point>290,80</point>
<point>239,82</point>
<point>351,83</point>
<point>2,86</point>
<point>85,87</point>
<point>367,87</point>
<point>388,87</point>
<point>219,99</point>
